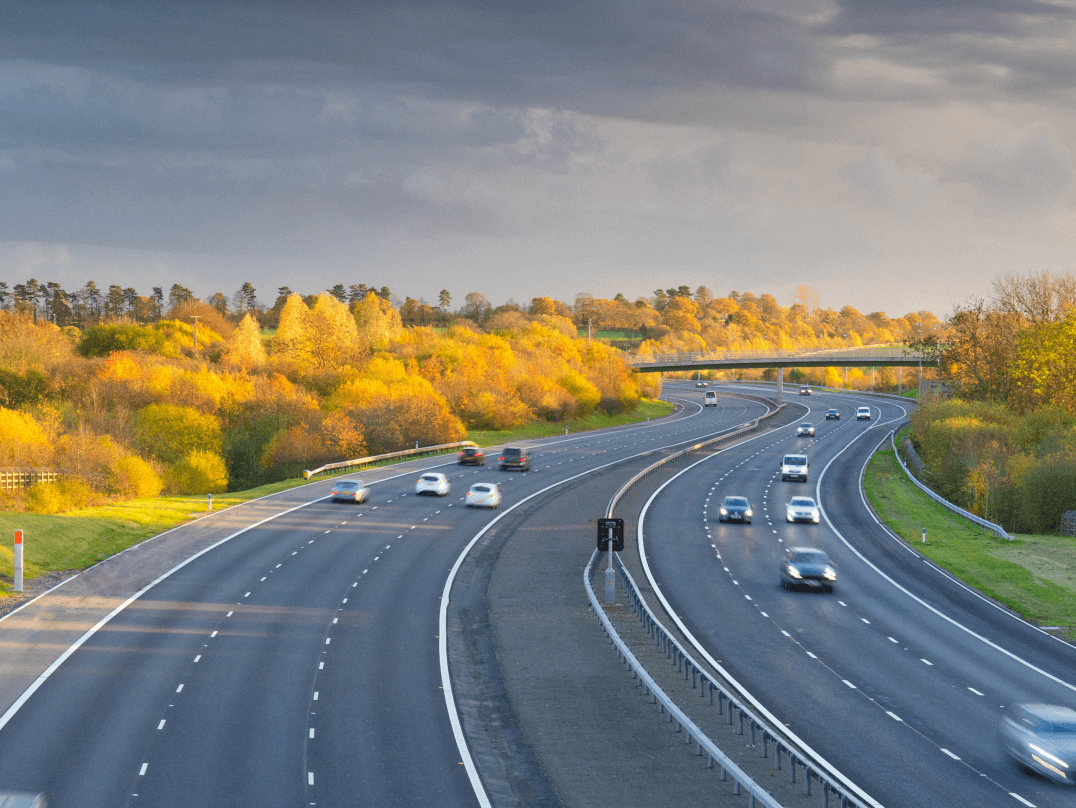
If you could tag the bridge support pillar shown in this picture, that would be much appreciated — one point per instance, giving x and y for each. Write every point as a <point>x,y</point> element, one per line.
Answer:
<point>780,384</point>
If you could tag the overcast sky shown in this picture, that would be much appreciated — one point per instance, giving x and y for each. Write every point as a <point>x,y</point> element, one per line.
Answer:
<point>894,155</point>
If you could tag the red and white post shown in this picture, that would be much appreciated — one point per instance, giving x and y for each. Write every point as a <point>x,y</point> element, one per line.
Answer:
<point>18,560</point>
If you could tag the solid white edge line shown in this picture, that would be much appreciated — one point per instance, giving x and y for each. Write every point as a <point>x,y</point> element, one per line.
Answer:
<point>442,623</point>
<point>822,762</point>
<point>916,598</point>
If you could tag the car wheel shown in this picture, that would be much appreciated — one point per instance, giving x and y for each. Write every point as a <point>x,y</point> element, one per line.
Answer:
<point>748,521</point>
<point>828,589</point>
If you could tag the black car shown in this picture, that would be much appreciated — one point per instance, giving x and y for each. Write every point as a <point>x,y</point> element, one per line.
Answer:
<point>833,415</point>
<point>472,457</point>
<point>515,459</point>
<point>809,567</point>
<point>735,509</point>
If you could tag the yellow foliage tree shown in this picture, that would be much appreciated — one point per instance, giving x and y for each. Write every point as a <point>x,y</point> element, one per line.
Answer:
<point>23,442</point>
<point>246,349</point>
<point>200,472</point>
<point>173,432</point>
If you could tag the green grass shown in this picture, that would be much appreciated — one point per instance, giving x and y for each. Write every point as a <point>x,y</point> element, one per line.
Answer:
<point>1034,576</point>
<point>653,409</point>
<point>79,539</point>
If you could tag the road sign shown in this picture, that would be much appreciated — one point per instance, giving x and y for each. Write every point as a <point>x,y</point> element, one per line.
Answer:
<point>611,529</point>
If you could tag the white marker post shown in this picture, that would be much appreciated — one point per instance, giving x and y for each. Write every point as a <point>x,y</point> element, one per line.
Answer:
<point>18,560</point>
<point>924,535</point>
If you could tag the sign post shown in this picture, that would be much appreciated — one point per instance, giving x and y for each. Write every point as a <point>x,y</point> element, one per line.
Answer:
<point>18,560</point>
<point>611,539</point>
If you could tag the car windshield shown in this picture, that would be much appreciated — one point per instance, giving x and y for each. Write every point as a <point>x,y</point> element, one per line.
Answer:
<point>795,460</point>
<point>805,426</point>
<point>347,486</point>
<point>736,502</point>
<point>833,411</point>
<point>802,502</point>
<point>809,557</point>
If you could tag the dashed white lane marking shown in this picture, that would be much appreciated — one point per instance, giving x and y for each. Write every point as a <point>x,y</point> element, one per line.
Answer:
<point>321,666</point>
<point>142,771</point>
<point>812,656</point>
<point>278,565</point>
<point>950,754</point>
<point>892,640</point>
<point>199,656</point>
<point>229,614</point>
<point>336,619</point>
<point>179,689</point>
<point>264,578</point>
<point>328,640</point>
<point>161,725</point>
<point>247,595</point>
<point>214,634</point>
<point>363,572</point>
<point>1016,796</point>
<point>315,695</point>
<point>764,614</point>
<point>310,778</point>
<point>311,732</point>
<point>842,603</point>
<point>786,633</point>
<point>976,692</point>
<point>748,597</point>
<point>927,662</point>
<point>849,684</point>
<point>327,531</point>
<point>894,716</point>
<point>865,620</point>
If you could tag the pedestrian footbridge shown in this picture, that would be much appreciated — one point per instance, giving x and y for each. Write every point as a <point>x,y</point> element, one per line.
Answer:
<point>865,356</point>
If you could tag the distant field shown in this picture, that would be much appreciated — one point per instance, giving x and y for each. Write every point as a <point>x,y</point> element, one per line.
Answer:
<point>79,539</point>
<point>1033,575</point>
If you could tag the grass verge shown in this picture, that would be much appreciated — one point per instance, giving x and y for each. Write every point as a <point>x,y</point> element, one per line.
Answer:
<point>1034,576</point>
<point>647,408</point>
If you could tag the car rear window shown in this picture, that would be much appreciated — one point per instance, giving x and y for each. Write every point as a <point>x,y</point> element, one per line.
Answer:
<point>482,489</point>
<point>432,478</point>
<point>346,486</point>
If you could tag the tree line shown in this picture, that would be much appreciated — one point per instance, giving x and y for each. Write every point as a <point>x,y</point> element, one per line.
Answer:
<point>1002,441</point>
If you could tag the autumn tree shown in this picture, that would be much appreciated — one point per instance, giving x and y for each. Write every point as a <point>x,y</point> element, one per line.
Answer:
<point>246,349</point>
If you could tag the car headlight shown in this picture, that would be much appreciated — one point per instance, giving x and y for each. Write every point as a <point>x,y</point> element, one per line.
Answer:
<point>795,573</point>
<point>830,574</point>
<point>1044,753</point>
<point>724,512</point>
<point>747,512</point>
<point>814,514</point>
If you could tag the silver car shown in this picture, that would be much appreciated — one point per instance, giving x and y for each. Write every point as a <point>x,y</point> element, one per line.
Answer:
<point>350,491</point>
<point>805,431</point>
<point>1042,737</point>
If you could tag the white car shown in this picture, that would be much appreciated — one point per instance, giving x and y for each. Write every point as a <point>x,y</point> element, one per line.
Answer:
<point>805,431</point>
<point>802,509</point>
<point>432,483</point>
<point>350,491</point>
<point>863,414</point>
<point>483,495</point>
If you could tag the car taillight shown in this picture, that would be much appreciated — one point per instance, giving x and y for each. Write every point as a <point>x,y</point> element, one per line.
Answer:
<point>501,457</point>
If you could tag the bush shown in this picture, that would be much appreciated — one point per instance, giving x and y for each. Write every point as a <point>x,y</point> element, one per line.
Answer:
<point>103,339</point>
<point>134,478</point>
<point>200,472</point>
<point>65,495</point>
<point>172,432</point>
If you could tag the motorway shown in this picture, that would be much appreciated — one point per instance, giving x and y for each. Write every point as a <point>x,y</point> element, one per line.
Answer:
<point>297,661</point>
<point>897,679</point>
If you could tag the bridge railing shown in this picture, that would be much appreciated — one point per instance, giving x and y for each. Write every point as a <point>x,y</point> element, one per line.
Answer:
<point>783,354</point>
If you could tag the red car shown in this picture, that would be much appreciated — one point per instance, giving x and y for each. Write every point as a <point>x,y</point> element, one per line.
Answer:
<point>472,457</point>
